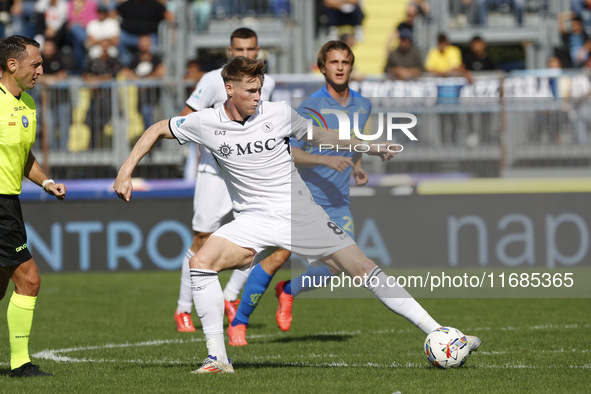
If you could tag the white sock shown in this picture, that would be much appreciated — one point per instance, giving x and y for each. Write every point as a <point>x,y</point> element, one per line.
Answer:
<point>209,303</point>
<point>398,300</point>
<point>235,284</point>
<point>185,303</point>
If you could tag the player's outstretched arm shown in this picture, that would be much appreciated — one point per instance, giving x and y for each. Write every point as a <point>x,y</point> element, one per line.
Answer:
<point>151,136</point>
<point>305,159</point>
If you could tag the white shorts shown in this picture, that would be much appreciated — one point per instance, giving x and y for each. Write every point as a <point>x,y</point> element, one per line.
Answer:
<point>211,202</point>
<point>309,233</point>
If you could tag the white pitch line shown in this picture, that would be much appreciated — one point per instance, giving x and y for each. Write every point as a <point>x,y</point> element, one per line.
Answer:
<point>59,355</point>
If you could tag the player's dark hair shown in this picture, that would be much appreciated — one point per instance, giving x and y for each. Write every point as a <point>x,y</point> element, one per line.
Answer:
<point>242,67</point>
<point>14,47</point>
<point>335,45</point>
<point>243,32</point>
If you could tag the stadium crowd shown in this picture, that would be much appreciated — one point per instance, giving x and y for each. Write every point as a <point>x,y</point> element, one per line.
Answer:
<point>102,41</point>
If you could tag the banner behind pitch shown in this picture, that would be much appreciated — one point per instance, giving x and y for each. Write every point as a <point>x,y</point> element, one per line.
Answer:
<point>514,230</point>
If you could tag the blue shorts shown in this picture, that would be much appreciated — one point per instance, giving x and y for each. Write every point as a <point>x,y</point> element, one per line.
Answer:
<point>343,218</point>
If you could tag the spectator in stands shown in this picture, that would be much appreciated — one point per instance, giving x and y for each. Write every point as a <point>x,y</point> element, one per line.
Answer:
<point>343,13</point>
<point>463,13</point>
<point>517,6</point>
<point>476,58</point>
<point>80,14</point>
<point>549,124</point>
<point>202,13</point>
<point>146,65</point>
<point>103,28</point>
<point>582,112</point>
<point>406,62</point>
<point>51,23</point>
<point>445,60</point>
<point>5,16</point>
<point>20,15</point>
<point>583,9</point>
<point>575,41</point>
<point>57,66</point>
<point>414,10</point>
<point>138,18</point>
<point>480,125</point>
<point>102,69</point>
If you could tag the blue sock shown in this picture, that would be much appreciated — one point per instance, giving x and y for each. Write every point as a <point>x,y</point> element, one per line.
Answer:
<point>312,279</point>
<point>256,285</point>
<point>287,287</point>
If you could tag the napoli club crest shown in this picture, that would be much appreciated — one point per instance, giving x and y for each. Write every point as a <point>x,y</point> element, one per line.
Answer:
<point>268,127</point>
<point>25,121</point>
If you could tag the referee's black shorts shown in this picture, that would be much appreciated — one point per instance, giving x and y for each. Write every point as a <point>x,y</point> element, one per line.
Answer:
<point>13,236</point>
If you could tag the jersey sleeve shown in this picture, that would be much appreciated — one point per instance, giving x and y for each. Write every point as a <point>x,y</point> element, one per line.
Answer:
<point>204,95</point>
<point>299,124</point>
<point>186,128</point>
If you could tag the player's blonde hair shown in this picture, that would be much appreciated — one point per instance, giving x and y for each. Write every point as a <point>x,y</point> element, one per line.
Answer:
<point>242,67</point>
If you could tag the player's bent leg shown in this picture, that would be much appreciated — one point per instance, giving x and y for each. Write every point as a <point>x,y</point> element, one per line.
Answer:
<point>182,315</point>
<point>313,278</point>
<point>26,278</point>
<point>473,342</point>
<point>273,263</point>
<point>283,316</point>
<point>396,298</point>
<point>19,317</point>
<point>231,291</point>
<point>216,254</point>
<point>256,285</point>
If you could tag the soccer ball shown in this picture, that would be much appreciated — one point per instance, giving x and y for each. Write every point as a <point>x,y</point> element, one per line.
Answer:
<point>447,347</point>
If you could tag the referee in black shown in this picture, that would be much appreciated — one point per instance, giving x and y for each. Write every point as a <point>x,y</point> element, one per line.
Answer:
<point>21,64</point>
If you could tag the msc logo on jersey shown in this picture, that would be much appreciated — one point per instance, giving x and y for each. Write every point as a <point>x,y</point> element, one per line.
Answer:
<point>225,150</point>
<point>267,127</point>
<point>255,147</point>
<point>25,122</point>
<point>180,121</point>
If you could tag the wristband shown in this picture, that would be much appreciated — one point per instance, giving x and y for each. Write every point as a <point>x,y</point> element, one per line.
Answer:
<point>45,182</point>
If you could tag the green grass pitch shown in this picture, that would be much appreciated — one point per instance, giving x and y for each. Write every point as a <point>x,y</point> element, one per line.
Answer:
<point>114,332</point>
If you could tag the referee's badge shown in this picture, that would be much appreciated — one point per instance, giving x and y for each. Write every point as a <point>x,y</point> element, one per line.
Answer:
<point>268,127</point>
<point>25,122</point>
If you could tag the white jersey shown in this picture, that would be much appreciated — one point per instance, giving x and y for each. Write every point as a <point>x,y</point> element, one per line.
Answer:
<point>254,156</point>
<point>210,92</point>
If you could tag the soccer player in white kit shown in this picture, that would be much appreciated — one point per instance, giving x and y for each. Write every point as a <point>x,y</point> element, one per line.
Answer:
<point>211,202</point>
<point>249,140</point>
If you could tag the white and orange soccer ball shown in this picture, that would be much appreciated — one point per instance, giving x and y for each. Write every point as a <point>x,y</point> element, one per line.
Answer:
<point>447,347</point>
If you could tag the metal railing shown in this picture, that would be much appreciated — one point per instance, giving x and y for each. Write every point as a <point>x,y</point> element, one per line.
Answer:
<point>496,125</point>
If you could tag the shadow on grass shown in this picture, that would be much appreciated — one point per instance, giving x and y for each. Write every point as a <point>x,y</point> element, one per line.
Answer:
<point>314,338</point>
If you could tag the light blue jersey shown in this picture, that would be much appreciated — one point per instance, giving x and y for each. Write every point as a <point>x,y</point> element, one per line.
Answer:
<point>330,188</point>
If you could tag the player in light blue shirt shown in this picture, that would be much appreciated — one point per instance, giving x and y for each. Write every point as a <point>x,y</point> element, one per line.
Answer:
<point>326,173</point>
